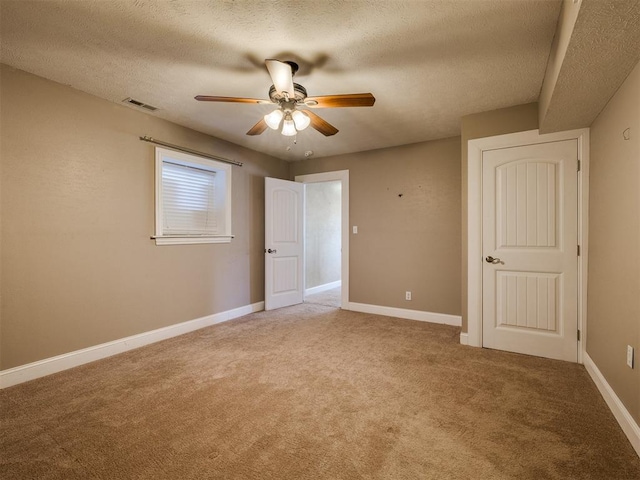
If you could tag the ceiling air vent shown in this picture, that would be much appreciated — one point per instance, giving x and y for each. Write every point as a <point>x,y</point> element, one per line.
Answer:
<point>137,103</point>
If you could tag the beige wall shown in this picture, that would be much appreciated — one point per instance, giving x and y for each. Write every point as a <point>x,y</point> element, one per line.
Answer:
<point>323,233</point>
<point>519,118</point>
<point>613,312</point>
<point>409,242</point>
<point>77,210</point>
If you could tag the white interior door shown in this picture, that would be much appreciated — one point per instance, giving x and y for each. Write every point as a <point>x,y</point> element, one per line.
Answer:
<point>529,243</point>
<point>284,247</point>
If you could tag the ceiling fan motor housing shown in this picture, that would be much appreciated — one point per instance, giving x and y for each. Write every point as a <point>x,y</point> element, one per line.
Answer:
<point>299,91</point>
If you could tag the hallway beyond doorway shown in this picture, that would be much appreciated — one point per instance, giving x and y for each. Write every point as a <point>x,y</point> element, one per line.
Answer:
<point>329,298</point>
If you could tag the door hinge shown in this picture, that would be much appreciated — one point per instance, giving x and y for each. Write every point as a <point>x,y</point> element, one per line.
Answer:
<point>578,335</point>
<point>579,165</point>
<point>578,250</point>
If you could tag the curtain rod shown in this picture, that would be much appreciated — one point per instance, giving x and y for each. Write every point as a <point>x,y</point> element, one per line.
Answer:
<point>188,150</point>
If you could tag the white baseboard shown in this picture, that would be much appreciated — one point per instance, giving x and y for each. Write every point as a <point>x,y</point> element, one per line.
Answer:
<point>624,418</point>
<point>455,320</point>
<point>323,288</point>
<point>464,338</point>
<point>41,368</point>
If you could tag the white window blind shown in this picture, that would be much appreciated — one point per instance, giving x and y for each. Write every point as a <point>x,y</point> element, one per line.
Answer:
<point>193,199</point>
<point>188,200</point>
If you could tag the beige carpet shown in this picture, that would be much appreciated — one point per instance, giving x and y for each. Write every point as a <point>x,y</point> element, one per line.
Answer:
<point>312,392</point>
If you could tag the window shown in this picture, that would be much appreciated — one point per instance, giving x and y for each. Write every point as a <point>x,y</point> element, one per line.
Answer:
<point>193,199</point>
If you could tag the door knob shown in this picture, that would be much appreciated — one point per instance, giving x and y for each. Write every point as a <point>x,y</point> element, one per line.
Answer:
<point>490,259</point>
<point>271,251</point>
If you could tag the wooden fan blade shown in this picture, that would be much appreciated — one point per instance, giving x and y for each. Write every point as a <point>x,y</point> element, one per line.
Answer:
<point>209,98</point>
<point>281,75</point>
<point>334,101</point>
<point>258,128</point>
<point>321,125</point>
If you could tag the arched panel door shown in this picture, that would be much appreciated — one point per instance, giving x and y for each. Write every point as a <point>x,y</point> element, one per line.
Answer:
<point>529,244</point>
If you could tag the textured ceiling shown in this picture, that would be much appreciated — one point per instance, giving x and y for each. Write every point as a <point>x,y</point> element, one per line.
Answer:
<point>428,63</point>
<point>603,49</point>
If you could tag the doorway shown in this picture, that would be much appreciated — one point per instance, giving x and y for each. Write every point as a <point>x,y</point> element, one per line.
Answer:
<point>326,232</point>
<point>322,243</point>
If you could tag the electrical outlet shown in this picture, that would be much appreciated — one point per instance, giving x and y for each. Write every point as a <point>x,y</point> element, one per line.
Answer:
<point>407,295</point>
<point>355,229</point>
<point>629,356</point>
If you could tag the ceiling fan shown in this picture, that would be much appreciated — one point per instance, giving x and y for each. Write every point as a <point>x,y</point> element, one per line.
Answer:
<point>289,97</point>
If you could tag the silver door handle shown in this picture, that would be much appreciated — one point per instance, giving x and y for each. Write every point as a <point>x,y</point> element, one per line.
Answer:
<point>495,261</point>
<point>271,251</point>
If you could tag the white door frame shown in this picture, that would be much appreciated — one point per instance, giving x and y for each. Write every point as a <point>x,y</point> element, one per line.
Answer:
<point>343,177</point>
<point>476,148</point>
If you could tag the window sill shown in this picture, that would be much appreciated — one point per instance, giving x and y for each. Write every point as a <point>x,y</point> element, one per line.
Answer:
<point>191,240</point>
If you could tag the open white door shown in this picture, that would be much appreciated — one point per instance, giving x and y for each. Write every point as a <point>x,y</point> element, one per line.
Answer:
<point>284,247</point>
<point>529,243</point>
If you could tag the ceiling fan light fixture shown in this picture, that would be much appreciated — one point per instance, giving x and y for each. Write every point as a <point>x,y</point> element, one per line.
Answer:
<point>288,127</point>
<point>274,118</point>
<point>300,119</point>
